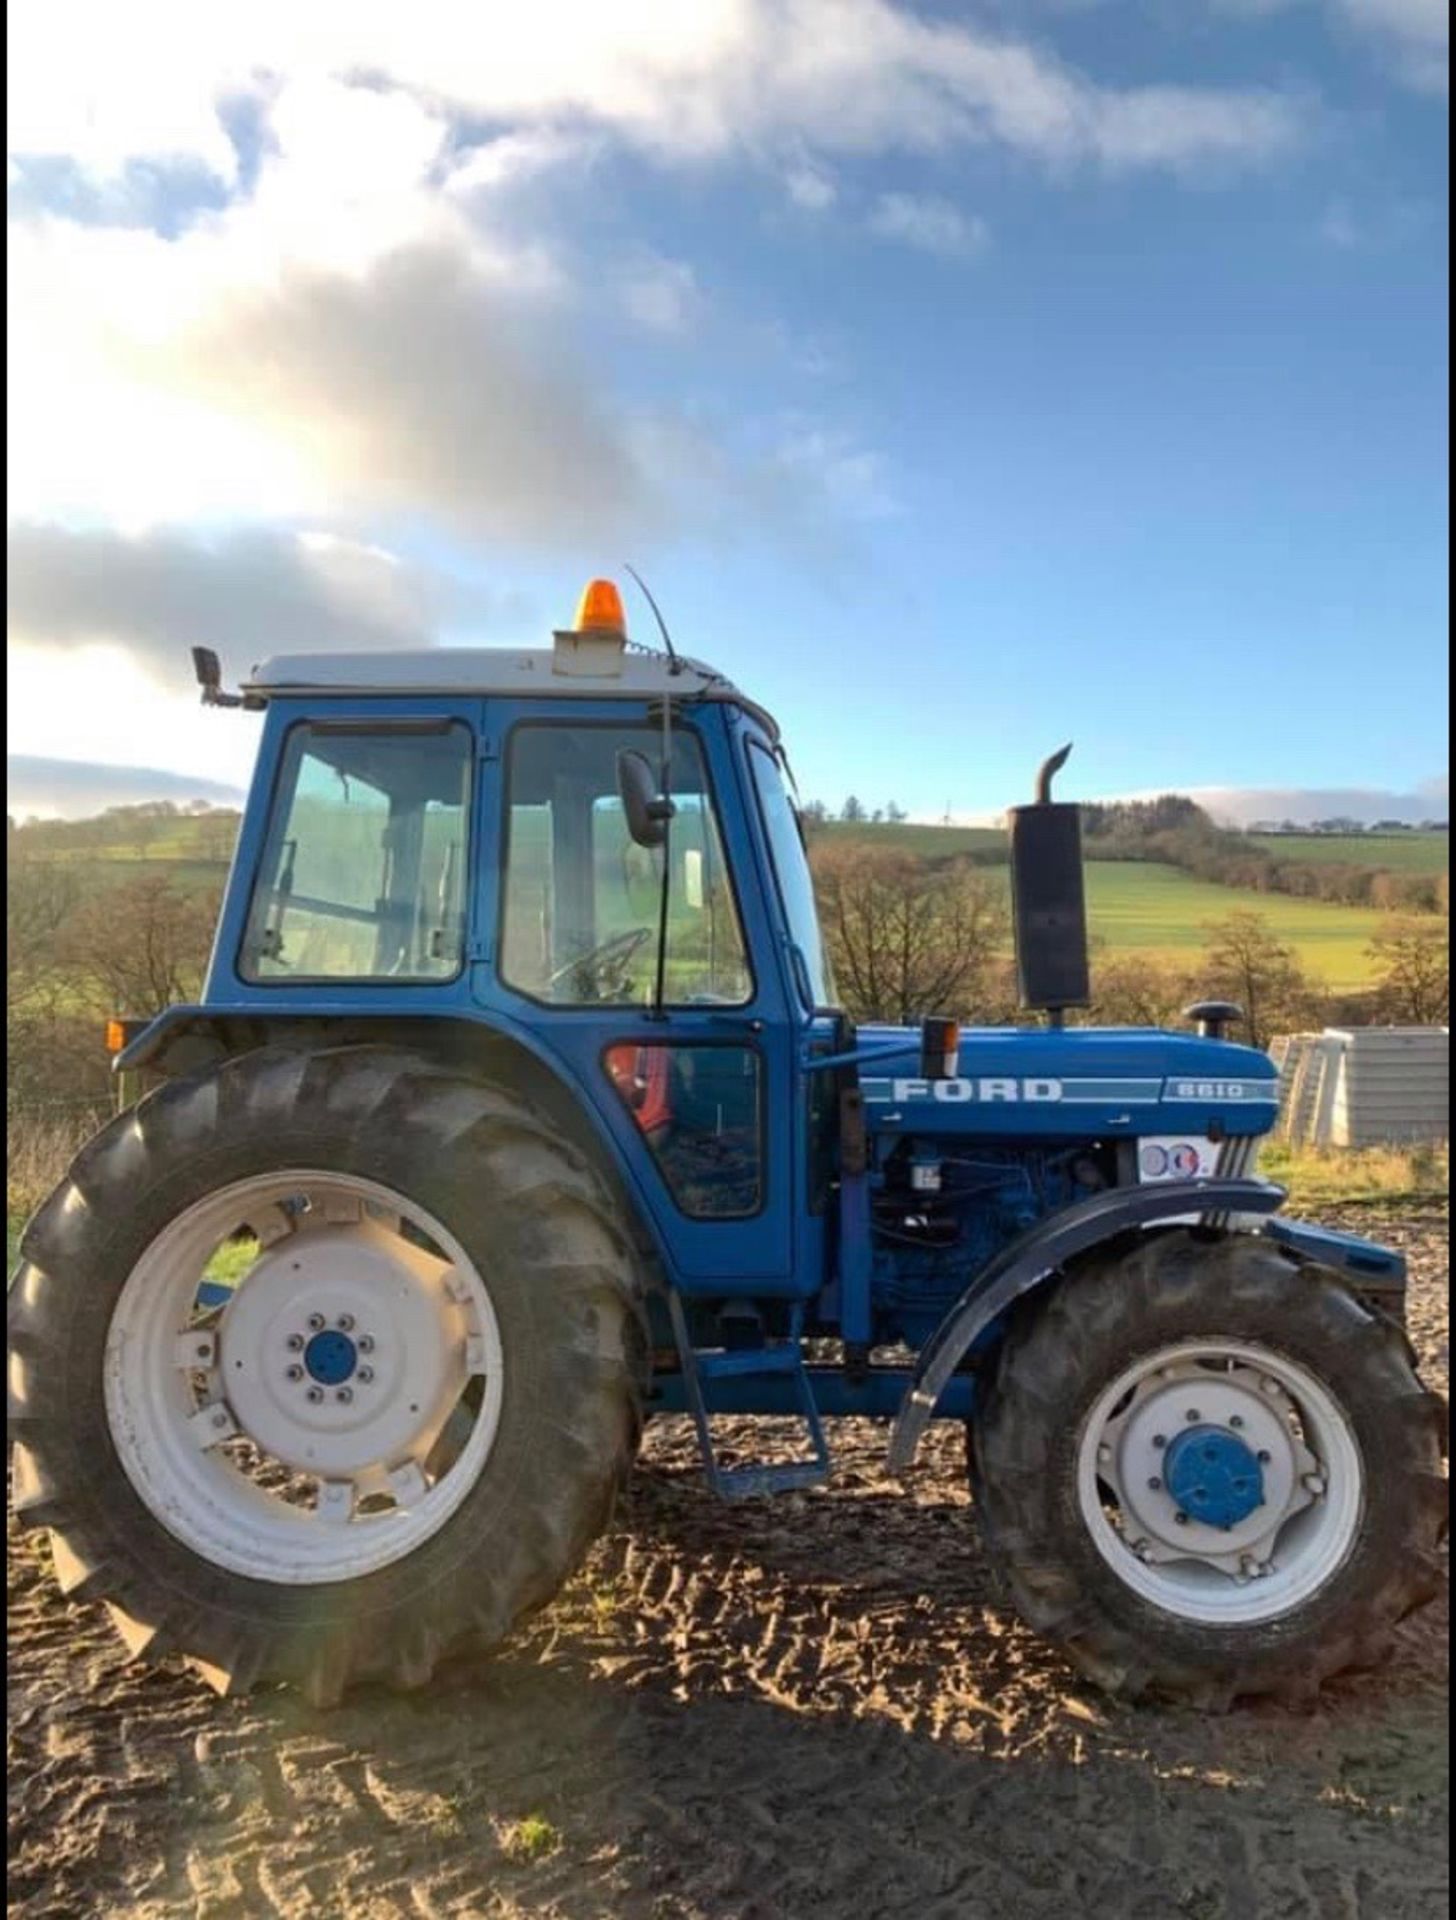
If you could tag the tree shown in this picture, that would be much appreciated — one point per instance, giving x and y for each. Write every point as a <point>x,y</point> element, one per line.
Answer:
<point>853,809</point>
<point>137,947</point>
<point>895,813</point>
<point>1246,962</point>
<point>217,833</point>
<point>1413,962</point>
<point>1129,990</point>
<point>40,897</point>
<point>907,938</point>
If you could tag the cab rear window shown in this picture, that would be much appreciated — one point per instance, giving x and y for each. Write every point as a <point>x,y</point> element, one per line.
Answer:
<point>362,876</point>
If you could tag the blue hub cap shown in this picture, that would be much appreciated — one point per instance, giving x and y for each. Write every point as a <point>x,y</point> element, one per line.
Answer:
<point>1213,1476</point>
<point>330,1357</point>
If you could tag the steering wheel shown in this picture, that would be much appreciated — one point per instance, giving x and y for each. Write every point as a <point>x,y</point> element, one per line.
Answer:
<point>610,958</point>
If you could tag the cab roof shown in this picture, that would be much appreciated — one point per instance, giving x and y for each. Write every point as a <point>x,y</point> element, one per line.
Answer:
<point>635,673</point>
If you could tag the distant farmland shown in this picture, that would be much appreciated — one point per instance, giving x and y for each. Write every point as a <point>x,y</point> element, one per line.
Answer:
<point>1400,852</point>
<point>1146,907</point>
<point>1134,906</point>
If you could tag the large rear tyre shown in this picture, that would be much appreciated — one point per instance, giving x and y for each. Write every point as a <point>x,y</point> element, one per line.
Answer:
<point>322,1366</point>
<point>1207,1471</point>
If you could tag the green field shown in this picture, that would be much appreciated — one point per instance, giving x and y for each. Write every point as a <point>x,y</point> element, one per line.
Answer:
<point>1400,852</point>
<point>1146,907</point>
<point>905,836</point>
<point>1137,907</point>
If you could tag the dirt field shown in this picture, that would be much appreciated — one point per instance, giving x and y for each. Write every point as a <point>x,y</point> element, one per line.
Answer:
<point>812,1707</point>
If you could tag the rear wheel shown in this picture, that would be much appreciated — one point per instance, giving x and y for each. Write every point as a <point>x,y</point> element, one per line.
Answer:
<point>323,1365</point>
<point>1209,1471</point>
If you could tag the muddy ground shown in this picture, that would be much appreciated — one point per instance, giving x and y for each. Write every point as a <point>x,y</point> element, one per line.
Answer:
<point>818,1706</point>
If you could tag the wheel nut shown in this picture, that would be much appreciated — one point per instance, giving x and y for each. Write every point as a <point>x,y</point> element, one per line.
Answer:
<point>1181,1519</point>
<point>315,1321</point>
<point>295,1373</point>
<point>1236,1419</point>
<point>315,1394</point>
<point>1193,1415</point>
<point>366,1374</point>
<point>344,1393</point>
<point>1155,1485</point>
<point>1160,1439</point>
<point>295,1343</point>
<point>366,1343</point>
<point>1264,1456</point>
<point>345,1322</point>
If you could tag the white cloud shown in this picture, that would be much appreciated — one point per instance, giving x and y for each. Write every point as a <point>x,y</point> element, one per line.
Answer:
<point>76,789</point>
<point>929,223</point>
<point>95,702</point>
<point>247,594</point>
<point>1415,33</point>
<point>1242,806</point>
<point>832,465</point>
<point>810,187</point>
<point>660,295</point>
<point>699,82</point>
<point>1412,36</point>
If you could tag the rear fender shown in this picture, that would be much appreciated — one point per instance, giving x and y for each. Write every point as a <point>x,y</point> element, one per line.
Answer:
<point>187,1039</point>
<point>1042,1251</point>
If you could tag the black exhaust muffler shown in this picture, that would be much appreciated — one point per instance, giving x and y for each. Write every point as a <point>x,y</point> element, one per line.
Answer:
<point>1049,900</point>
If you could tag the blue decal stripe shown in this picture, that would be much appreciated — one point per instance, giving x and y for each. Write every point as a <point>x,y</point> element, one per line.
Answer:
<point>1096,1092</point>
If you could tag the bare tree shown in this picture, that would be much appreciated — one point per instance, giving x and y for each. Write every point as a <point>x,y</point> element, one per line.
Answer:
<point>40,897</point>
<point>1130,990</point>
<point>1246,962</point>
<point>907,938</point>
<point>137,947</point>
<point>1413,960</point>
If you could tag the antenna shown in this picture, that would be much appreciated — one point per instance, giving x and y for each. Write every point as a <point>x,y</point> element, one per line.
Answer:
<point>657,615</point>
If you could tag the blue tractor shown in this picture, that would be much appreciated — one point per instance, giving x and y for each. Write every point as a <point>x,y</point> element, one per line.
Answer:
<point>518,1107</point>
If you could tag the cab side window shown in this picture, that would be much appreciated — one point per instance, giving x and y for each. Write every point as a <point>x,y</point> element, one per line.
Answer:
<point>582,899</point>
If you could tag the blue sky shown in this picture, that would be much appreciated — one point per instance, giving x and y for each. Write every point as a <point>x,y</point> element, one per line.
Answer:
<point>961,379</point>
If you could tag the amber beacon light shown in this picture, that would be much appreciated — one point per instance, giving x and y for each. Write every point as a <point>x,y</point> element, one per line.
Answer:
<point>600,609</point>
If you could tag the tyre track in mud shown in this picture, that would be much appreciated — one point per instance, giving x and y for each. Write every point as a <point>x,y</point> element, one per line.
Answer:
<point>813,1706</point>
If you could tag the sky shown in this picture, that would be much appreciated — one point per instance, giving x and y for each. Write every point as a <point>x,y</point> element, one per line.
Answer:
<point>961,378</point>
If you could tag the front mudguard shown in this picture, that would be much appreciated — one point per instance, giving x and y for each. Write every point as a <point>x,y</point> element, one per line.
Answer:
<point>1028,1260</point>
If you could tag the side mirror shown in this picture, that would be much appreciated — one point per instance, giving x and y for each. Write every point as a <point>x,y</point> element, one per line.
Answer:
<point>647,811</point>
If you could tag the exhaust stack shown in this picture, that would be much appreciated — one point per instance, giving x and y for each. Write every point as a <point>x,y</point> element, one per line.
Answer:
<point>1048,898</point>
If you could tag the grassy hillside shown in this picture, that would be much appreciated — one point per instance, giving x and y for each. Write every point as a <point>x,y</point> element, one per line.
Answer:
<point>1400,852</point>
<point>1145,907</point>
<point>1156,910</point>
<point>1138,907</point>
<point>933,843</point>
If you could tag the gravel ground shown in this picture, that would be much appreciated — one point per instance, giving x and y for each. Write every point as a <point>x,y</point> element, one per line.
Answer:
<point>814,1706</point>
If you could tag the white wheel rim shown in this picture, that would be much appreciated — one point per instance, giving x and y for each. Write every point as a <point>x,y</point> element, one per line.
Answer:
<point>335,1411</point>
<point>1273,1558</point>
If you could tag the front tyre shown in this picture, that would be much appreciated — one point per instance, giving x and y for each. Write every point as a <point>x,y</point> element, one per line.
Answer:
<point>322,1366</point>
<point>1207,1471</point>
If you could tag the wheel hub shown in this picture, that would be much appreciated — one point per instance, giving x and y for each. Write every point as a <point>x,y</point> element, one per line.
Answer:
<point>1219,1480</point>
<point>344,1350</point>
<point>331,1357</point>
<point>1213,1475</point>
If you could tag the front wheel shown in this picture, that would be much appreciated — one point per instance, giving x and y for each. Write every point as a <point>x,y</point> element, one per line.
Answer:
<point>1208,1471</point>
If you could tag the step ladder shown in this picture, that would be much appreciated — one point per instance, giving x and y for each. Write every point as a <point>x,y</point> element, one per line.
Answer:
<point>702,1366</point>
